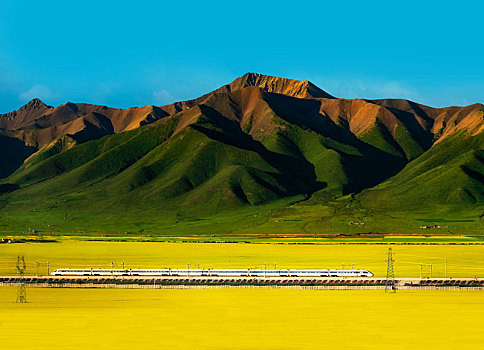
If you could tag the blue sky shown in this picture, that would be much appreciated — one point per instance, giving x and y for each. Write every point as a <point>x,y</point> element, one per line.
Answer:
<point>132,53</point>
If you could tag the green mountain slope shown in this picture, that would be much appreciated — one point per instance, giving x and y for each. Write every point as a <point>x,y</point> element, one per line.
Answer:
<point>451,173</point>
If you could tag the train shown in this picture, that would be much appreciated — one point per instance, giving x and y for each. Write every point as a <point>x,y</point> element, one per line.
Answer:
<point>214,272</point>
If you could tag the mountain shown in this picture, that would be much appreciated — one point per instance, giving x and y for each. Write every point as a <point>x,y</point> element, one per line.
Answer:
<point>288,87</point>
<point>253,143</point>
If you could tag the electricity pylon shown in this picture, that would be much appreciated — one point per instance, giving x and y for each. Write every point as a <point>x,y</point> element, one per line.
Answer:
<point>21,291</point>
<point>390,281</point>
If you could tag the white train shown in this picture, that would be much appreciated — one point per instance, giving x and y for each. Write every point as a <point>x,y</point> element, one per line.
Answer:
<point>213,272</point>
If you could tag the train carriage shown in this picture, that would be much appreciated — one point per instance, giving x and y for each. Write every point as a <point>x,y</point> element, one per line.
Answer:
<point>214,272</point>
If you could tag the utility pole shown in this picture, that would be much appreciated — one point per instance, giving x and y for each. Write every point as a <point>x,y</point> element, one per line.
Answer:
<point>430,270</point>
<point>188,270</point>
<point>39,264</point>
<point>390,281</point>
<point>421,271</point>
<point>265,271</point>
<point>21,291</point>
<point>352,266</point>
<point>122,265</point>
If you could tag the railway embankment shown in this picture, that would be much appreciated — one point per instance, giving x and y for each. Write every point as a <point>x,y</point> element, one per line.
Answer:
<point>186,282</point>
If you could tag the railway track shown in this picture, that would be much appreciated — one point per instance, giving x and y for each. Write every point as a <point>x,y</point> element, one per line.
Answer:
<point>210,281</point>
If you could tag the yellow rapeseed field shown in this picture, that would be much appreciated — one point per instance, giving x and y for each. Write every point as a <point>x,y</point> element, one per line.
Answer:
<point>462,260</point>
<point>240,319</point>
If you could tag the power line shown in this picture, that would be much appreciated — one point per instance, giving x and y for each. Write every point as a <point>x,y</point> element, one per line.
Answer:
<point>439,257</point>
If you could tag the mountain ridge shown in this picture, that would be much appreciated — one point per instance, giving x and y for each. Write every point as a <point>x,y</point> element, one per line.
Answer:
<point>249,143</point>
